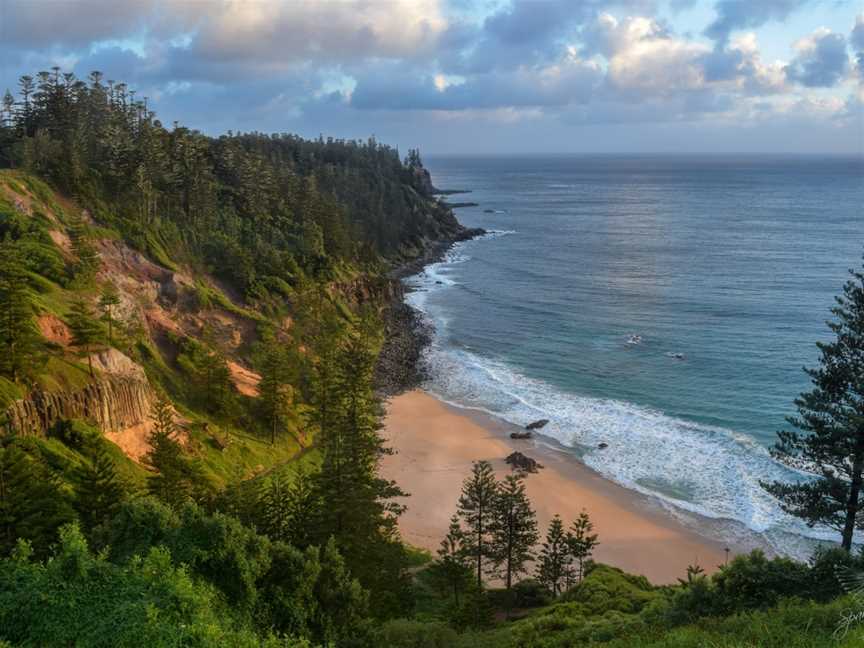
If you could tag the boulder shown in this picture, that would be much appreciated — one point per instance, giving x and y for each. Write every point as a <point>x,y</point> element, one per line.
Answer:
<point>520,462</point>
<point>521,435</point>
<point>536,425</point>
<point>602,445</point>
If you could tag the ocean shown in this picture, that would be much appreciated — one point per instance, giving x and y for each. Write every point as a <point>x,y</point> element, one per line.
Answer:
<point>662,305</point>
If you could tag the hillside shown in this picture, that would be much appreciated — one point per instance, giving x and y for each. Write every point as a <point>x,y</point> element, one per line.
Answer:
<point>191,335</point>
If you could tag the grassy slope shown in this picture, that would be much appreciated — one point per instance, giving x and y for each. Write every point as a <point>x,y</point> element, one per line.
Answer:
<point>245,456</point>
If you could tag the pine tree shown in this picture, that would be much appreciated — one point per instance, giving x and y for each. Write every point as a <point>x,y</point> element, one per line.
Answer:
<point>555,563</point>
<point>86,330</point>
<point>452,568</point>
<point>176,479</point>
<point>513,530</point>
<point>278,371</point>
<point>108,301</point>
<point>32,504</point>
<point>82,248</point>
<point>582,542</point>
<point>287,509</point>
<point>20,341</point>
<point>829,442</point>
<point>477,511</point>
<point>99,490</point>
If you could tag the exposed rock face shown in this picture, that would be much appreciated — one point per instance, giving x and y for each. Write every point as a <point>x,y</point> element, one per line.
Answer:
<point>113,402</point>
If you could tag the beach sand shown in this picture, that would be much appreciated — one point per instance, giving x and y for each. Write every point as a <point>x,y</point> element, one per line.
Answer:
<point>436,443</point>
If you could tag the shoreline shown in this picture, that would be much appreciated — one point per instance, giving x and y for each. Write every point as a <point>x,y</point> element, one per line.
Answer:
<point>435,444</point>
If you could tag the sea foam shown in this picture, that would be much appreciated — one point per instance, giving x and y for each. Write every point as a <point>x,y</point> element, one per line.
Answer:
<point>690,468</point>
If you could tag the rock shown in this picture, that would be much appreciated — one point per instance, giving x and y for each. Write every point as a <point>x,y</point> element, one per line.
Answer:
<point>519,461</point>
<point>113,402</point>
<point>488,211</point>
<point>602,446</point>
<point>439,282</point>
<point>536,425</point>
<point>521,435</point>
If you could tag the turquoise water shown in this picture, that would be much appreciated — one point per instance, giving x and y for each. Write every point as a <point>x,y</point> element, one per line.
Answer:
<point>724,267</point>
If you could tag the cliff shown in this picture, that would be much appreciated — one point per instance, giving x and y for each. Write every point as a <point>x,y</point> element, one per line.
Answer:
<point>113,402</point>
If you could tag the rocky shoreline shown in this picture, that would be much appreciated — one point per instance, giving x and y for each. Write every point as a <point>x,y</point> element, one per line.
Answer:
<point>399,367</point>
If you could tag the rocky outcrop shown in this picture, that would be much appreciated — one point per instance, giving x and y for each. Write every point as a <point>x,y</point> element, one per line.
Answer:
<point>113,402</point>
<point>536,425</point>
<point>523,463</point>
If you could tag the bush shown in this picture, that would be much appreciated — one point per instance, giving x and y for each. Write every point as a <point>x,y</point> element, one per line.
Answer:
<point>752,582</point>
<point>75,434</point>
<point>404,633</point>
<point>825,564</point>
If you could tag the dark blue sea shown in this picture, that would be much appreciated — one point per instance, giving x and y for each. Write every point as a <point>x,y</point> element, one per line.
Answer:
<point>663,305</point>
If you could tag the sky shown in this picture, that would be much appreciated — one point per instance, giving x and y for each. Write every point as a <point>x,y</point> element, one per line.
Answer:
<point>474,76</point>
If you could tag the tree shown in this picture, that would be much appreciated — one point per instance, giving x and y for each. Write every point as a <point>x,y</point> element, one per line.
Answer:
<point>555,564</point>
<point>829,441</point>
<point>582,542</point>
<point>287,508</point>
<point>477,511</point>
<point>20,341</point>
<point>82,248</point>
<point>108,300</point>
<point>278,371</point>
<point>32,504</point>
<point>513,530</point>
<point>99,491</point>
<point>452,568</point>
<point>176,479</point>
<point>86,330</point>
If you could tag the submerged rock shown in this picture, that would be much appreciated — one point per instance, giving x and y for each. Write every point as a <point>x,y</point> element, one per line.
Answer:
<point>536,425</point>
<point>602,445</point>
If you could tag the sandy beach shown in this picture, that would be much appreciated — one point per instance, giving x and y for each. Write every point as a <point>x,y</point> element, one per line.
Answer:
<point>435,445</point>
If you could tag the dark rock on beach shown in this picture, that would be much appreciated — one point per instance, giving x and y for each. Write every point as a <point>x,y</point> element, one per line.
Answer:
<point>521,435</point>
<point>536,425</point>
<point>519,461</point>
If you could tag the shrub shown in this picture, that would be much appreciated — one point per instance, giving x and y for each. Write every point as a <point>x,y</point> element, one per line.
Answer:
<point>404,633</point>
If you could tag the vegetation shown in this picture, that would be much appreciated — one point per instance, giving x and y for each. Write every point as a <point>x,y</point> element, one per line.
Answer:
<point>830,444</point>
<point>257,516</point>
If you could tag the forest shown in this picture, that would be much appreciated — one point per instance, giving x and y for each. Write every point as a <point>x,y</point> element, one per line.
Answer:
<point>232,293</point>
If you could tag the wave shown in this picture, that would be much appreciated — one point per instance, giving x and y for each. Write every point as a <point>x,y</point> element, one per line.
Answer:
<point>691,468</point>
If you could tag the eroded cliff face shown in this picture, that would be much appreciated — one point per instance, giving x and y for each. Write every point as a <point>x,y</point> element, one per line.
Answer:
<point>113,402</point>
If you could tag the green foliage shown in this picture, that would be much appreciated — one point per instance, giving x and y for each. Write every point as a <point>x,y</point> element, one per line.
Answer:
<point>830,436</point>
<point>555,561</point>
<point>476,512</point>
<point>177,478</point>
<point>20,341</point>
<point>209,381</point>
<point>109,299</point>
<point>514,529</point>
<point>32,503</point>
<point>404,633</point>
<point>81,599</point>
<point>86,329</point>
<point>581,542</point>
<point>287,508</point>
<point>99,491</point>
<point>87,259</point>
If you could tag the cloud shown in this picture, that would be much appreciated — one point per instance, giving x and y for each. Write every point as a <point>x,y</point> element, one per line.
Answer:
<point>856,38</point>
<point>821,60</point>
<point>275,35</point>
<point>34,24</point>
<point>748,14</point>
<point>569,80</point>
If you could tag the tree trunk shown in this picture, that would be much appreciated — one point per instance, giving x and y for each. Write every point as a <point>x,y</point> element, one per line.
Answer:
<point>852,502</point>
